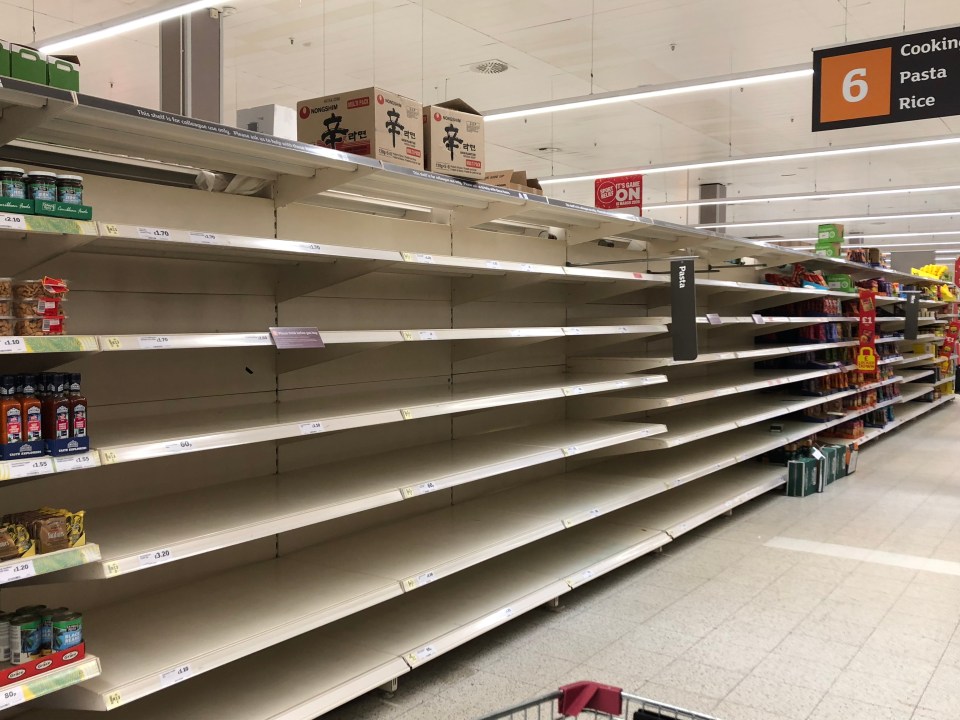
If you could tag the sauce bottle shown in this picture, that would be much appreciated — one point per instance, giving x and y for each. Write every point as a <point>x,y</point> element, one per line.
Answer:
<point>56,409</point>
<point>30,405</point>
<point>12,419</point>
<point>78,408</point>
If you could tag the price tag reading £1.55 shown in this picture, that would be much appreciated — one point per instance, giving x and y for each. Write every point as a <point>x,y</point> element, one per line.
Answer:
<point>30,468</point>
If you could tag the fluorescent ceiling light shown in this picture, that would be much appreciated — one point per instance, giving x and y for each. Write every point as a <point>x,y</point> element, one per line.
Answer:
<point>756,159</point>
<point>916,246</point>
<point>888,236</point>
<point>806,196</point>
<point>792,72</point>
<point>813,221</point>
<point>124,24</point>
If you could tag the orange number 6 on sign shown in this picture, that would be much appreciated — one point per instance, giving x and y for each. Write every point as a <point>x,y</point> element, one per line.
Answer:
<point>855,86</point>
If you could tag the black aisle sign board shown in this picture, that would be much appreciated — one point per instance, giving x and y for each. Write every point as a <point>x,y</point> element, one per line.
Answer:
<point>911,316</point>
<point>683,308</point>
<point>894,79</point>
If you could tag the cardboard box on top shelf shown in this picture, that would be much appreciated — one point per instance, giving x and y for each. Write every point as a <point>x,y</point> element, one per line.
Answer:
<point>830,231</point>
<point>454,140</point>
<point>513,180</point>
<point>841,282</point>
<point>373,122</point>
<point>4,58</point>
<point>828,248</point>
<point>63,71</point>
<point>874,257</point>
<point>27,63</point>
<point>276,120</point>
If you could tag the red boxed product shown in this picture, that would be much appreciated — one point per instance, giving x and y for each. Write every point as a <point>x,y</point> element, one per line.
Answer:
<point>43,664</point>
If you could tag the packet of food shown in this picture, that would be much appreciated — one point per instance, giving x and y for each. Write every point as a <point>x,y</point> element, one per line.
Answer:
<point>76,522</point>
<point>14,541</point>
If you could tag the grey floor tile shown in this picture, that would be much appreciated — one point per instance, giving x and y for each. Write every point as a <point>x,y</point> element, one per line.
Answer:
<point>877,689</point>
<point>842,631</point>
<point>837,707</point>
<point>629,659</point>
<point>906,643</point>
<point>727,710</point>
<point>716,651</point>
<point>678,697</point>
<point>776,696</point>
<point>830,652</point>
<point>701,679</point>
<point>805,673</point>
<point>894,667</point>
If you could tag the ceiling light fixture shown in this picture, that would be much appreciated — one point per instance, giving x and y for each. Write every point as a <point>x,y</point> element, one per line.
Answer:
<point>756,159</point>
<point>806,196</point>
<point>723,82</point>
<point>124,24</point>
<point>815,221</point>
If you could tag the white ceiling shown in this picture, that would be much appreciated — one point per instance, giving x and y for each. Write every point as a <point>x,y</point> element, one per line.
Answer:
<point>282,51</point>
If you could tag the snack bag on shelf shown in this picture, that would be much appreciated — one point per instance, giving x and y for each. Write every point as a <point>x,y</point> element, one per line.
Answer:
<point>15,541</point>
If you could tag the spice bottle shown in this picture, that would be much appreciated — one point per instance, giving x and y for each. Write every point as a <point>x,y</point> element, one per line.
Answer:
<point>32,413</point>
<point>78,408</point>
<point>12,419</point>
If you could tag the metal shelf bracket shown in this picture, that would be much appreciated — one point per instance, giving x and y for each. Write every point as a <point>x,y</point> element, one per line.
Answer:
<point>291,189</point>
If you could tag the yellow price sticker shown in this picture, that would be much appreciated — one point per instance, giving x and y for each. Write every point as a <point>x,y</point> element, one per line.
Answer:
<point>113,343</point>
<point>114,700</point>
<point>113,569</point>
<point>111,230</point>
<point>407,414</point>
<point>108,457</point>
<point>410,583</point>
<point>407,335</point>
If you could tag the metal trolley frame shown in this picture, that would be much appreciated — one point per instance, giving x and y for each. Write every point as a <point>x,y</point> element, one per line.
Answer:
<point>594,700</point>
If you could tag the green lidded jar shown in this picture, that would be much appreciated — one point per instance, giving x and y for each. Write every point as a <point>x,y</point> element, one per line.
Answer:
<point>70,189</point>
<point>12,184</point>
<point>42,186</point>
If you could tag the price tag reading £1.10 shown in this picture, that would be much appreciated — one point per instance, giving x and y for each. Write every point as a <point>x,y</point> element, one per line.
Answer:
<point>12,345</point>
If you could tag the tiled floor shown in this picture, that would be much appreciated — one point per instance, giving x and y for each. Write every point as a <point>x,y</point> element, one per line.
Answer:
<point>722,623</point>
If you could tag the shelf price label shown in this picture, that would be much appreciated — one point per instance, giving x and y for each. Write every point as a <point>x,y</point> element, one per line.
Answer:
<point>417,257</point>
<point>204,238</point>
<point>155,557</point>
<point>714,319</point>
<point>149,233</point>
<point>526,267</point>
<point>758,319</point>
<point>424,653</point>
<point>571,450</point>
<point>179,446</point>
<point>31,467</point>
<point>176,675</point>
<point>312,428</point>
<point>427,335</point>
<point>421,489</point>
<point>77,462</point>
<point>17,571</point>
<point>575,390</point>
<point>12,345</point>
<point>12,222</point>
<point>494,264</point>
<point>109,457</point>
<point>114,700</point>
<point>420,580</point>
<point>10,697</point>
<point>154,342</point>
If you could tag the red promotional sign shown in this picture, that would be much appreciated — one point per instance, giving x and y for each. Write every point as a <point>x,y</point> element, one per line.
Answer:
<point>622,191</point>
<point>867,352</point>
<point>950,340</point>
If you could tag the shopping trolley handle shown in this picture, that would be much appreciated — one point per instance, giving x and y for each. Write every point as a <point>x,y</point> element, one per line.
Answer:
<point>585,695</point>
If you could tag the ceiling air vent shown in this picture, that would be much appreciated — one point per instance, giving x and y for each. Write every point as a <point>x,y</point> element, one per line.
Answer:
<point>490,67</point>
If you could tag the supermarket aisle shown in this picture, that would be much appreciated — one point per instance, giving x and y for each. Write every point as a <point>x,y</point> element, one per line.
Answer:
<point>733,620</point>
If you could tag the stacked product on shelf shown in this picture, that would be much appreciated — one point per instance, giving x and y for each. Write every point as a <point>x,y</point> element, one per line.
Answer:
<point>49,418</point>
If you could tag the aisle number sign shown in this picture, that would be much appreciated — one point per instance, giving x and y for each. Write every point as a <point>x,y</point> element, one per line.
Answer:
<point>894,79</point>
